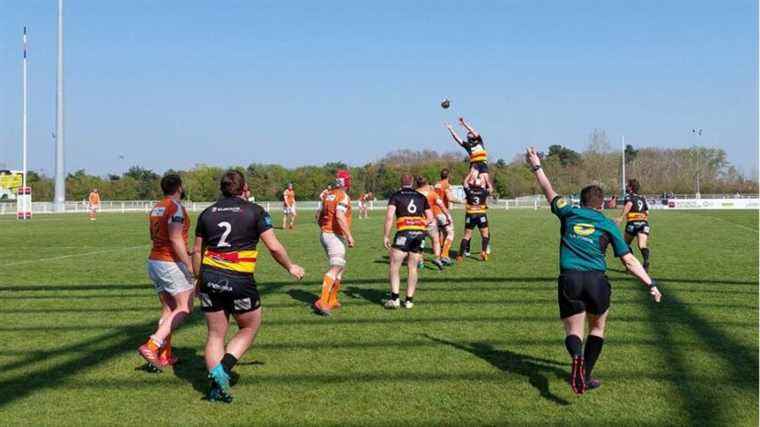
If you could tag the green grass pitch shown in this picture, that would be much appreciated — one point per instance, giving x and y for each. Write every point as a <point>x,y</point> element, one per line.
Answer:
<point>483,345</point>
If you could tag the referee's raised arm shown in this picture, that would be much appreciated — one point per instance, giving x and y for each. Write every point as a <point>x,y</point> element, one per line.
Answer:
<point>534,161</point>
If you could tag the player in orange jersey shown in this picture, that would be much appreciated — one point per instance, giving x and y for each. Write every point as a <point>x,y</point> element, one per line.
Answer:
<point>441,217</point>
<point>93,203</point>
<point>335,225</point>
<point>289,207</point>
<point>445,192</point>
<point>170,269</point>
<point>364,200</point>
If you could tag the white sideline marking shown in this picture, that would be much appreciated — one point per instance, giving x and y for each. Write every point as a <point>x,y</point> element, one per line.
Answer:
<point>755,230</point>
<point>56,258</point>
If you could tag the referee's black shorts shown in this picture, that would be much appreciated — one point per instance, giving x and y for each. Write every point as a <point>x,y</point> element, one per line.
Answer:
<point>580,291</point>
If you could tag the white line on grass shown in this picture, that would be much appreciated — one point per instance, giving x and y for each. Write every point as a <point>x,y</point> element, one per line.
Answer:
<point>56,258</point>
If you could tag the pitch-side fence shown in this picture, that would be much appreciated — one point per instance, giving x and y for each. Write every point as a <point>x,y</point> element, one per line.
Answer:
<point>529,202</point>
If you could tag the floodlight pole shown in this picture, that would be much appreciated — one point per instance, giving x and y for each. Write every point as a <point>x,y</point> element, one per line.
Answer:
<point>622,178</point>
<point>24,117</point>
<point>60,182</point>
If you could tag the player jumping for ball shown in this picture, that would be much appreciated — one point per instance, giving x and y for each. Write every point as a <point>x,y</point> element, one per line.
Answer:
<point>334,218</point>
<point>476,150</point>
<point>412,213</point>
<point>583,289</point>
<point>636,214</point>
<point>476,215</point>
<point>225,254</point>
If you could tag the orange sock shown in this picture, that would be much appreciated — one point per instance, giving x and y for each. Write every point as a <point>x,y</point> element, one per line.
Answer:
<point>446,248</point>
<point>166,350</point>
<point>327,284</point>
<point>152,344</point>
<point>332,300</point>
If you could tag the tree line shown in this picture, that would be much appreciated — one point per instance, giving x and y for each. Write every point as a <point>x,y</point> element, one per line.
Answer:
<point>660,170</point>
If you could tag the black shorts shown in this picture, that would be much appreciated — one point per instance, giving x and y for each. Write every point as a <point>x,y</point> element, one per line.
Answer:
<point>479,220</point>
<point>481,167</point>
<point>235,294</point>
<point>409,241</point>
<point>580,291</point>
<point>637,227</point>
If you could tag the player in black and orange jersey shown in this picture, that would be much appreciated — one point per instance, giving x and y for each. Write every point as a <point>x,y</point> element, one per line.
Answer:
<point>334,219</point>
<point>441,216</point>
<point>225,255</point>
<point>170,270</point>
<point>412,214</point>
<point>476,150</point>
<point>476,209</point>
<point>636,215</point>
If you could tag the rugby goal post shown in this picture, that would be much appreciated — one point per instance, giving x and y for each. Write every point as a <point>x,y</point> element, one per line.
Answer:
<point>24,203</point>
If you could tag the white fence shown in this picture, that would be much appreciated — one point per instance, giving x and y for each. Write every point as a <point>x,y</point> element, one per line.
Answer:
<point>529,202</point>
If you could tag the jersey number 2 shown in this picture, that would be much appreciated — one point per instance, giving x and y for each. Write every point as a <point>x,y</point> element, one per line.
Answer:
<point>227,230</point>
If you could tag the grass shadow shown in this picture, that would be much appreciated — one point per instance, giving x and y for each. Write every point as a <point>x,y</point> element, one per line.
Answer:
<point>302,296</point>
<point>191,368</point>
<point>374,296</point>
<point>533,368</point>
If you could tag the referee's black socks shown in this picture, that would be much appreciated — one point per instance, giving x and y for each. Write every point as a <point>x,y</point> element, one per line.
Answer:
<point>228,362</point>
<point>592,351</point>
<point>574,345</point>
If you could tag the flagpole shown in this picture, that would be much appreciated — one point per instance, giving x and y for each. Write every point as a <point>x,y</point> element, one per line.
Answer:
<point>622,179</point>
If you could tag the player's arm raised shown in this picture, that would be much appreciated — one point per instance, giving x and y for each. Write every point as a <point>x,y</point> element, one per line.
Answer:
<point>389,215</point>
<point>468,127</point>
<point>179,246</point>
<point>280,254</point>
<point>535,163</point>
<point>454,134</point>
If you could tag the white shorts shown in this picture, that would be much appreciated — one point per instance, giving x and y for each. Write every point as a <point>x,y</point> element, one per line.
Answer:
<point>442,220</point>
<point>170,277</point>
<point>335,248</point>
<point>289,211</point>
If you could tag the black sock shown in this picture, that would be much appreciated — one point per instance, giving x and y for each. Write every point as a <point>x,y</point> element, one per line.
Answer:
<point>574,345</point>
<point>593,350</point>
<point>228,362</point>
<point>464,247</point>
<point>484,243</point>
<point>408,298</point>
<point>645,254</point>
<point>394,297</point>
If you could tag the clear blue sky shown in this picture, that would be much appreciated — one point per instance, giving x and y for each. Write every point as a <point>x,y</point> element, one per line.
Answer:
<point>168,84</point>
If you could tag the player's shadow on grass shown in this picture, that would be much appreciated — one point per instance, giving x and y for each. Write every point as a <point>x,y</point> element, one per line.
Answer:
<point>374,296</point>
<point>302,296</point>
<point>509,362</point>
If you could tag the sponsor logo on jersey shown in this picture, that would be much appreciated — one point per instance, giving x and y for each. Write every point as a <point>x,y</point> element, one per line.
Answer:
<point>158,211</point>
<point>584,229</point>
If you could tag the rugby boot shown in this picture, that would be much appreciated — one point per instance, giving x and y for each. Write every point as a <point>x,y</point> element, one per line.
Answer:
<point>150,356</point>
<point>319,308</point>
<point>592,383</point>
<point>577,376</point>
<point>438,263</point>
<point>392,304</point>
<point>408,304</point>
<point>221,381</point>
<point>484,256</point>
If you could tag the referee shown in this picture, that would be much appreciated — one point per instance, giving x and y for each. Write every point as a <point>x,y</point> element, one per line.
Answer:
<point>583,286</point>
